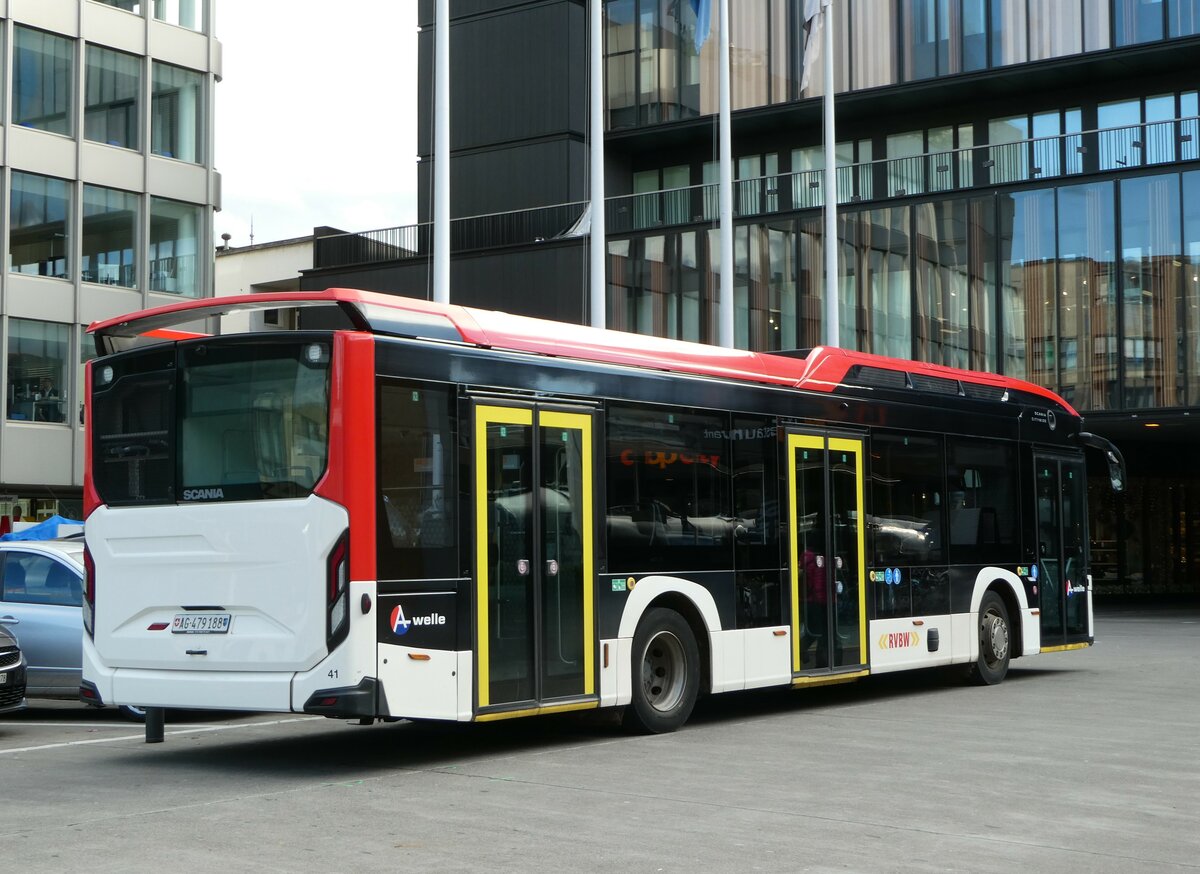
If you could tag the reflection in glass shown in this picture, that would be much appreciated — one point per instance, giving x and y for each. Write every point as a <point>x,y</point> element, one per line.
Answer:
<point>174,247</point>
<point>111,94</point>
<point>1028,285</point>
<point>185,13</point>
<point>884,252</point>
<point>110,221</point>
<point>1191,280</point>
<point>43,80</point>
<point>39,242</point>
<point>510,607</point>
<point>1088,310</point>
<point>943,287</point>
<point>1152,304</point>
<point>177,113</point>
<point>1137,22</point>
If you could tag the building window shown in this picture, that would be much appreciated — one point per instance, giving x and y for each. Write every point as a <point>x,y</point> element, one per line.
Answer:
<point>109,229</point>
<point>1087,318</point>
<point>177,114</point>
<point>1137,21</point>
<point>134,6</point>
<point>114,83</point>
<point>1183,17</point>
<point>185,13</point>
<point>37,367</point>
<point>174,247</point>
<point>38,241</point>
<point>1152,299</point>
<point>43,72</point>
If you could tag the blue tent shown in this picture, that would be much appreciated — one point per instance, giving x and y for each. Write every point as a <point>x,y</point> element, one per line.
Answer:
<point>45,530</point>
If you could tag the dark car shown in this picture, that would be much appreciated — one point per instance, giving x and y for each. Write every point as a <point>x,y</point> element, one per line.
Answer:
<point>12,674</point>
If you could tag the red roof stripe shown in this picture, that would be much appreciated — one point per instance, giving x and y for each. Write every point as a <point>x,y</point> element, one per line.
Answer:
<point>823,370</point>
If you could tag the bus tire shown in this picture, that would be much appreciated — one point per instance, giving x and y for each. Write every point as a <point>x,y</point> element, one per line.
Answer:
<point>666,673</point>
<point>995,642</point>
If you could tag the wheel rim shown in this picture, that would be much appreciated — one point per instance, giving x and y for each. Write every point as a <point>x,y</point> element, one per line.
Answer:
<point>664,672</point>
<point>993,637</point>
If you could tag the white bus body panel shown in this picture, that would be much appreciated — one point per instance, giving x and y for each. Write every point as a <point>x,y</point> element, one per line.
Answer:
<point>264,562</point>
<point>902,644</point>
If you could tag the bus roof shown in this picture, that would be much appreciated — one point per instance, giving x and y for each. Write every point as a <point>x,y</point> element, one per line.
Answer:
<point>820,369</point>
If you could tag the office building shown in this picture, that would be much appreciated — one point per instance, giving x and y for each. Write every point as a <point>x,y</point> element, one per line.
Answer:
<point>108,191</point>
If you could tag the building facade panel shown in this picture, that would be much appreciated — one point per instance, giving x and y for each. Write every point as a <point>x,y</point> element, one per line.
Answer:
<point>93,226</point>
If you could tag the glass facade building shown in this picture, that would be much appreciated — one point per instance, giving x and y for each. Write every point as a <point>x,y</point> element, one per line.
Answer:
<point>1017,187</point>
<point>108,189</point>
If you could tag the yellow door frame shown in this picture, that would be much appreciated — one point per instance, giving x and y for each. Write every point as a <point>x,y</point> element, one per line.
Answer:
<point>822,442</point>
<point>584,423</point>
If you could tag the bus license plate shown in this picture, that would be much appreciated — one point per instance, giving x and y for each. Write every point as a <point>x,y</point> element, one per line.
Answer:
<point>3,679</point>
<point>200,623</point>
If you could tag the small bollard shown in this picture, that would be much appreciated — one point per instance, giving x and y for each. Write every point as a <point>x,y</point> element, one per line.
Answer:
<point>154,725</point>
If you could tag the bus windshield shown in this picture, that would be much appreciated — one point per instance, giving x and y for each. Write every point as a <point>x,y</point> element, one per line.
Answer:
<point>211,421</point>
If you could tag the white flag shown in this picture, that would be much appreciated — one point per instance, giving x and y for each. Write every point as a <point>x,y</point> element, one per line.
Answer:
<point>814,20</point>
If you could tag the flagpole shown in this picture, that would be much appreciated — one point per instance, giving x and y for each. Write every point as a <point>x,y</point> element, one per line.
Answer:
<point>441,156</point>
<point>725,311</point>
<point>597,240</point>
<point>832,321</point>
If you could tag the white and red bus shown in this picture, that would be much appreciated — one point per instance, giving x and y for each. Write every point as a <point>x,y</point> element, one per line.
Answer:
<point>405,509</point>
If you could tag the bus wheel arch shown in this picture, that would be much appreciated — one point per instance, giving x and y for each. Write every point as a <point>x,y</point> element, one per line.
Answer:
<point>686,608</point>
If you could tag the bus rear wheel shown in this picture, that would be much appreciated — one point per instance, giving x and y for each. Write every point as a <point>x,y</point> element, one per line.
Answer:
<point>666,673</point>
<point>995,642</point>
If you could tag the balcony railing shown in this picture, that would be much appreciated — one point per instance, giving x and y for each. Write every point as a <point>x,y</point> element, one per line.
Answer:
<point>1018,162</point>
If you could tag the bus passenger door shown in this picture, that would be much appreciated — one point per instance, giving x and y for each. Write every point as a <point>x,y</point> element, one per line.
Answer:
<point>828,553</point>
<point>534,496</point>
<point>1063,594</point>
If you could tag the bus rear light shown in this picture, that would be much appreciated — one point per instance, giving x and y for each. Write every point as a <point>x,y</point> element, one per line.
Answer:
<point>338,581</point>
<point>157,626</point>
<point>89,593</point>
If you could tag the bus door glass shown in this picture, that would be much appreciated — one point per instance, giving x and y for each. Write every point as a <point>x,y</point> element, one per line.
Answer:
<point>534,555</point>
<point>1061,490</point>
<point>825,491</point>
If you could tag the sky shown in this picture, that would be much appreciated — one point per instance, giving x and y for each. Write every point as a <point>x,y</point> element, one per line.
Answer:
<point>315,117</point>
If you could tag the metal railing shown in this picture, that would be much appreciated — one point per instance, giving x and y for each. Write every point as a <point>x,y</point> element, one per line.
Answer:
<point>1071,154</point>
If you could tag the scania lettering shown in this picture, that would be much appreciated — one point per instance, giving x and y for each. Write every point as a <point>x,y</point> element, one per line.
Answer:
<point>203,494</point>
<point>407,509</point>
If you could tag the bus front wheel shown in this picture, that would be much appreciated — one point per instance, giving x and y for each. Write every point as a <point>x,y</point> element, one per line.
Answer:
<point>666,673</point>
<point>995,642</point>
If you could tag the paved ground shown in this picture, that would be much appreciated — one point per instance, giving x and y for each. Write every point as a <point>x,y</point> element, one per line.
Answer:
<point>1079,762</point>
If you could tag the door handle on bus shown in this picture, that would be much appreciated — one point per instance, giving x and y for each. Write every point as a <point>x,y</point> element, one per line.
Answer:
<point>9,620</point>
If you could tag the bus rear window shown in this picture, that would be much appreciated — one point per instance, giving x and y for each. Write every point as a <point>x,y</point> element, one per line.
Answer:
<point>211,421</point>
<point>254,420</point>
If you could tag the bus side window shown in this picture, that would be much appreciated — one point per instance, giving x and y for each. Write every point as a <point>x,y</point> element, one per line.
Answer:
<point>983,508</point>
<point>416,481</point>
<point>668,487</point>
<point>755,453</point>
<point>908,518</point>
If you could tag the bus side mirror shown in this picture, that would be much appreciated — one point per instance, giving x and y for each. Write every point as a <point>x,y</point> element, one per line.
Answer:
<point>1116,472</point>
